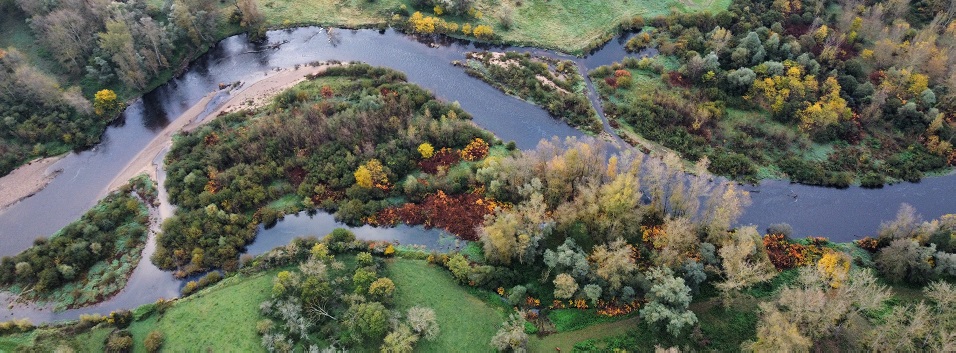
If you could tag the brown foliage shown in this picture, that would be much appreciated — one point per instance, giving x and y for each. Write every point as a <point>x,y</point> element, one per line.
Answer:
<point>460,214</point>
<point>441,159</point>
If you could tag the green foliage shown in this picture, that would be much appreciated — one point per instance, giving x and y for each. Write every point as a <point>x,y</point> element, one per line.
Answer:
<point>462,317</point>
<point>220,200</point>
<point>566,320</point>
<point>560,91</point>
<point>368,321</point>
<point>88,259</point>
<point>669,298</point>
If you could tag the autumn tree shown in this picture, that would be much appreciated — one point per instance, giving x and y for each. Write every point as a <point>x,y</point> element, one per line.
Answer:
<point>724,206</point>
<point>484,32</point>
<point>818,310</point>
<point>117,42</point>
<point>834,267</point>
<point>511,335</point>
<point>195,19</point>
<point>614,262</point>
<point>744,261</point>
<point>400,340</point>
<point>678,242</point>
<point>514,233</point>
<point>919,327</point>
<point>775,333</point>
<point>423,321</point>
<point>370,174</point>
<point>105,103</point>
<point>906,259</point>
<point>564,286</point>
<point>426,150</point>
<point>251,19</point>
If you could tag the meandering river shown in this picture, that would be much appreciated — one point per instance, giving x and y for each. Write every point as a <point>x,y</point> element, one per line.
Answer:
<point>841,214</point>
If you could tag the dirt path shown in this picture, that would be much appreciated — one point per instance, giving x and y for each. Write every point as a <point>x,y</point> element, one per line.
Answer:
<point>251,96</point>
<point>27,180</point>
<point>566,340</point>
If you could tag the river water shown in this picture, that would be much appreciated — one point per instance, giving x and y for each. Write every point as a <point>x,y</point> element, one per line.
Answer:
<point>841,214</point>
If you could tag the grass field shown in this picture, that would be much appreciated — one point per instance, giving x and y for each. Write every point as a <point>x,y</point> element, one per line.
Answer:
<point>566,340</point>
<point>466,322</point>
<point>566,25</point>
<point>222,318</point>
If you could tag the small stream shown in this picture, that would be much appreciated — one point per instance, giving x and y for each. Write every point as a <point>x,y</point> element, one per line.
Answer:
<point>841,214</point>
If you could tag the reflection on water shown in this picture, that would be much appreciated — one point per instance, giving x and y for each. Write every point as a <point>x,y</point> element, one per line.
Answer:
<point>838,214</point>
<point>319,224</point>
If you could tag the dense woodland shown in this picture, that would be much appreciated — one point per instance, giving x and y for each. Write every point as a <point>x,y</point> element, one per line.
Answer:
<point>347,142</point>
<point>823,92</point>
<point>74,48</point>
<point>555,85</point>
<point>567,236</point>
<point>88,260</point>
<point>337,296</point>
<point>571,228</point>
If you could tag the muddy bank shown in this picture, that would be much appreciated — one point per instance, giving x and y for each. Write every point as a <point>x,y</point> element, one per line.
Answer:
<point>27,180</point>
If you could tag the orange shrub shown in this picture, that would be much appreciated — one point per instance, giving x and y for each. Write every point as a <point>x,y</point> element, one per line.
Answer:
<point>475,151</point>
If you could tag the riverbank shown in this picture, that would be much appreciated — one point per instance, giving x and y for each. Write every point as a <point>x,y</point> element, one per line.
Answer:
<point>27,180</point>
<point>60,273</point>
<point>250,96</point>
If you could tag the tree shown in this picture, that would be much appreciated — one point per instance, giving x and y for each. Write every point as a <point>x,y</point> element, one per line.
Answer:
<point>370,174</point>
<point>904,226</point>
<point>363,279</point>
<point>614,262</point>
<point>382,289</point>
<point>484,32</point>
<point>426,150</point>
<point>367,321</point>
<point>197,18</point>
<point>592,292</point>
<point>514,233</point>
<point>744,261</point>
<point>724,206</point>
<point>104,103</point>
<point>568,258</point>
<point>775,333</point>
<point>117,42</point>
<point>564,286</point>
<point>669,298</point>
<point>677,242</point>
<point>459,267</point>
<point>401,340</point>
<point>905,259</point>
<point>834,267</point>
<point>252,20</point>
<point>424,322</point>
<point>511,335</point>
<point>153,341</point>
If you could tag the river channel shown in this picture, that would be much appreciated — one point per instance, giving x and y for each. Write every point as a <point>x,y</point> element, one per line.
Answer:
<point>841,214</point>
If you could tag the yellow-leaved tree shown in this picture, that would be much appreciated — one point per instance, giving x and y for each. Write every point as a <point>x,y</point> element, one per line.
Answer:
<point>105,103</point>
<point>834,267</point>
<point>426,150</point>
<point>370,174</point>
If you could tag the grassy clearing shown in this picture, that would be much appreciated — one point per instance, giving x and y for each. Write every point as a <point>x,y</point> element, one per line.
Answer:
<point>571,25</point>
<point>565,320</point>
<point>220,318</point>
<point>566,340</point>
<point>465,321</point>
<point>567,25</point>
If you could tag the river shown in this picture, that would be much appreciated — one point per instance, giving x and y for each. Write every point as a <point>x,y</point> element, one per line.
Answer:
<point>841,214</point>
